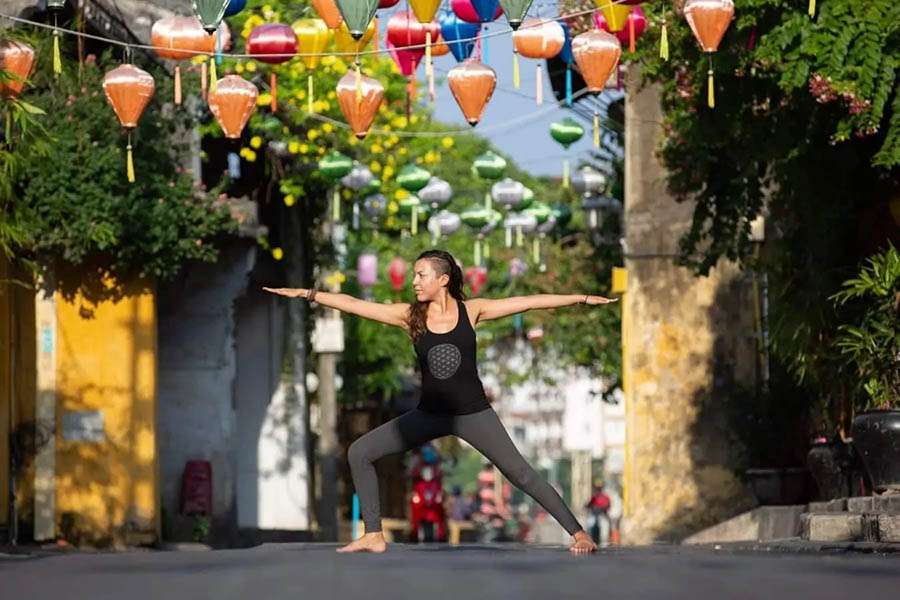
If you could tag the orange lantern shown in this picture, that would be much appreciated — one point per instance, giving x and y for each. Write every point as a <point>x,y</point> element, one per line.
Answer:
<point>472,84</point>
<point>129,89</point>
<point>537,38</point>
<point>440,48</point>
<point>181,38</point>
<point>329,12</point>
<point>232,103</point>
<point>597,53</point>
<point>17,59</point>
<point>359,101</point>
<point>709,19</point>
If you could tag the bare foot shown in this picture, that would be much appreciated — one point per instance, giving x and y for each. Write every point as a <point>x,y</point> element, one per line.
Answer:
<point>369,542</point>
<point>583,544</point>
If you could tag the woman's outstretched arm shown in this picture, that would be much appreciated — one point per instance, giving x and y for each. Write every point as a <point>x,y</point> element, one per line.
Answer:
<point>487,308</point>
<point>391,314</point>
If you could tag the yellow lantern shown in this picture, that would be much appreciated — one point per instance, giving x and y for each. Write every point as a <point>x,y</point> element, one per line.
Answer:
<point>344,42</point>
<point>615,13</point>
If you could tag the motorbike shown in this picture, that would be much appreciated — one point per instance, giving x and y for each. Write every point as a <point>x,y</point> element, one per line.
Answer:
<point>428,519</point>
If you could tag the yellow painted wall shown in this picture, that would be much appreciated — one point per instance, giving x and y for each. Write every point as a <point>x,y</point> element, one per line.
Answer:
<point>17,381</point>
<point>108,491</point>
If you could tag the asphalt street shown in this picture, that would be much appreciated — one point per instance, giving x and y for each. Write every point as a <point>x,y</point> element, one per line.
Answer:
<point>315,571</point>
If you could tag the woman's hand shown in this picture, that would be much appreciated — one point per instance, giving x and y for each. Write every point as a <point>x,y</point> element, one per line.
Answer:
<point>289,292</point>
<point>594,300</point>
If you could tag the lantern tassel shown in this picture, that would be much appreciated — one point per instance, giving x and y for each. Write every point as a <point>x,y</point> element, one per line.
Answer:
<point>568,85</point>
<point>487,249</point>
<point>414,221</point>
<point>520,237</point>
<point>596,129</point>
<point>631,38</point>
<point>812,8</point>
<point>375,37</point>
<point>664,41</point>
<point>538,85</point>
<point>57,59</point>
<point>477,253</point>
<point>309,93</point>
<point>177,84</point>
<point>484,47</point>
<point>130,161</point>
<point>204,74</point>
<point>536,250</point>
<point>213,77</point>
<point>273,88</point>
<point>516,78</point>
<point>358,82</point>
<point>487,200</point>
<point>565,181</point>
<point>508,237</point>
<point>336,205</point>
<point>428,64</point>
<point>711,92</point>
<point>356,216</point>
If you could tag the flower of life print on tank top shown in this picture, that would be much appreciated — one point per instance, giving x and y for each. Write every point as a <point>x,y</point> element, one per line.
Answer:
<point>444,360</point>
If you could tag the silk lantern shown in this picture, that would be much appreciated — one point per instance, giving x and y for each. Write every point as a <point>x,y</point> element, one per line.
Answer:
<point>443,224</point>
<point>232,103</point>
<point>272,43</point>
<point>597,54</point>
<point>635,24</point>
<point>425,10</point>
<point>312,39</point>
<point>397,273</point>
<point>387,3</point>
<point>615,12</point>
<point>358,179</point>
<point>540,39</point>
<point>587,181</point>
<point>329,11</point>
<point>436,193</point>
<point>476,277</point>
<point>234,7</point>
<point>543,215</point>
<point>128,89</point>
<point>335,166</point>
<point>181,38</point>
<point>476,11</point>
<point>508,193</point>
<point>521,223</point>
<point>411,206</point>
<point>344,42</point>
<point>481,221</point>
<point>375,206</point>
<point>515,11</point>
<point>566,132</point>
<point>210,13</point>
<point>357,15</point>
<point>489,166</point>
<point>458,34</point>
<point>367,270</point>
<point>709,20</point>
<point>359,101</point>
<point>17,60</point>
<point>472,85</point>
<point>407,39</point>
<point>567,57</point>
<point>412,178</point>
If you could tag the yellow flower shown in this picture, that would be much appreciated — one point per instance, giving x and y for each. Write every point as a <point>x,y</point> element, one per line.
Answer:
<point>248,154</point>
<point>401,194</point>
<point>255,141</point>
<point>289,200</point>
<point>312,134</point>
<point>251,67</point>
<point>447,142</point>
<point>352,139</point>
<point>320,106</point>
<point>277,253</point>
<point>399,122</point>
<point>393,207</point>
<point>329,60</point>
<point>239,68</point>
<point>327,127</point>
<point>294,147</point>
<point>414,119</point>
<point>321,150</point>
<point>388,172</point>
<point>332,95</point>
<point>402,151</point>
<point>374,166</point>
<point>264,99</point>
<point>304,148</point>
<point>376,149</point>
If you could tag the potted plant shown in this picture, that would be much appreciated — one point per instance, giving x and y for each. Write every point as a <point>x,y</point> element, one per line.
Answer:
<point>870,342</point>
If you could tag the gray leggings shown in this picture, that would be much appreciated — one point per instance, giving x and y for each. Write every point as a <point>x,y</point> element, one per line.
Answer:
<point>482,430</point>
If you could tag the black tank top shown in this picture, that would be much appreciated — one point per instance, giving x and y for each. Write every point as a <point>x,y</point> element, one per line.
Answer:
<point>450,383</point>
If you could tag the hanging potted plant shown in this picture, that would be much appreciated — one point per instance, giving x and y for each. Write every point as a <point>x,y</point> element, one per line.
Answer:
<point>871,343</point>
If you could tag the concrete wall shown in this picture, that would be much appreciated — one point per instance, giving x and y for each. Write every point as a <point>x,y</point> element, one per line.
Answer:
<point>686,342</point>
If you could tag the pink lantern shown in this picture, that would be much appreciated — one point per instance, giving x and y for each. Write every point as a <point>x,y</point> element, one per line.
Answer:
<point>635,24</point>
<point>476,277</point>
<point>397,273</point>
<point>367,269</point>
<point>466,11</point>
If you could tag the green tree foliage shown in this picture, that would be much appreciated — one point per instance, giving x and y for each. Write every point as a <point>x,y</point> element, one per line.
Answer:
<point>72,205</point>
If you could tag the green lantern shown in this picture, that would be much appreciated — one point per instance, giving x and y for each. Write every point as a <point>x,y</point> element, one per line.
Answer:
<point>481,221</point>
<point>515,11</point>
<point>357,15</point>
<point>563,215</point>
<point>566,133</point>
<point>373,187</point>
<point>210,13</point>
<point>414,208</point>
<point>413,178</point>
<point>489,166</point>
<point>334,166</point>
<point>527,198</point>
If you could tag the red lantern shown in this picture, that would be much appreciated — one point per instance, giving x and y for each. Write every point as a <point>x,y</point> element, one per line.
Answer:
<point>476,277</point>
<point>273,43</point>
<point>17,59</point>
<point>387,3</point>
<point>407,39</point>
<point>635,24</point>
<point>397,273</point>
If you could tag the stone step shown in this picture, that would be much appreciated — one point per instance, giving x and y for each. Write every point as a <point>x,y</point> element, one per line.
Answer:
<point>874,504</point>
<point>850,527</point>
